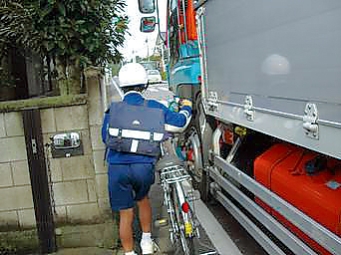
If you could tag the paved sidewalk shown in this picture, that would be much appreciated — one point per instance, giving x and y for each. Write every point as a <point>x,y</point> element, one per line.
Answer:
<point>160,235</point>
<point>86,251</point>
<point>92,251</point>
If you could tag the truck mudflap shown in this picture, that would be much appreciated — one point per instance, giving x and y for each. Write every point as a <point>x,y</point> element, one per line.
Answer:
<point>306,180</point>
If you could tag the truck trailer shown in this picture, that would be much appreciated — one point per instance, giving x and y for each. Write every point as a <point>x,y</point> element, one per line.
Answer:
<point>265,140</point>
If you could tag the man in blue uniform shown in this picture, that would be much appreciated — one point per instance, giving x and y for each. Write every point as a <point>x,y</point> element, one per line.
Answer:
<point>131,175</point>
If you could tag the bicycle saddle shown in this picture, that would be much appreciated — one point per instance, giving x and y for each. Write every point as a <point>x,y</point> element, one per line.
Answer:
<point>168,161</point>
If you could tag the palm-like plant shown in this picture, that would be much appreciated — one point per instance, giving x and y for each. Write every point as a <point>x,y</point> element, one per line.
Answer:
<point>76,33</point>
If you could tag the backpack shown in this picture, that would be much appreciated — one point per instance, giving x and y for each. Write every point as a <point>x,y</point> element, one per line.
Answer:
<point>135,129</point>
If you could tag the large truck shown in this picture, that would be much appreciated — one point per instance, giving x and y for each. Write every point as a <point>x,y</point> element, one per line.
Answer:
<point>265,79</point>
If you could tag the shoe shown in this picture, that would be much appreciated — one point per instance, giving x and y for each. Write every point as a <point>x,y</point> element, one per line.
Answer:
<point>147,246</point>
<point>133,253</point>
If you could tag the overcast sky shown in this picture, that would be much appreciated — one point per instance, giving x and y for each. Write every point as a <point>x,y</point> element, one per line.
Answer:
<point>136,42</point>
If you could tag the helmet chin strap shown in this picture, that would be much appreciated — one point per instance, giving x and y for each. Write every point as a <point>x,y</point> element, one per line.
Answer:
<point>146,86</point>
<point>139,88</point>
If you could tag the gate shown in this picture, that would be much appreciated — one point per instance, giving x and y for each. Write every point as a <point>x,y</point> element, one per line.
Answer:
<point>39,180</point>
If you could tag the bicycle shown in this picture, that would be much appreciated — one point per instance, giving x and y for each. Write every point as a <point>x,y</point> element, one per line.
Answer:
<point>178,199</point>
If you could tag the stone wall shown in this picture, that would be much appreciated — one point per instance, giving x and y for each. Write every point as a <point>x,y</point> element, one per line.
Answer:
<point>74,178</point>
<point>79,183</point>
<point>16,207</point>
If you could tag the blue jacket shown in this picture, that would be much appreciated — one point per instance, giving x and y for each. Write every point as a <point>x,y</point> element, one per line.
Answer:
<point>174,122</point>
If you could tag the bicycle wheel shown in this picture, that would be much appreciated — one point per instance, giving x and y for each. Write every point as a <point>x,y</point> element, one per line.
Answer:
<point>186,241</point>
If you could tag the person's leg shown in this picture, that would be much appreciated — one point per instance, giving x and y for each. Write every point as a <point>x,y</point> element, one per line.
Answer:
<point>126,229</point>
<point>145,214</point>
<point>121,199</point>
<point>143,179</point>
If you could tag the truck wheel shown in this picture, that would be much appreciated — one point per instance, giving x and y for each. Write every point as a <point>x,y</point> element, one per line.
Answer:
<point>194,155</point>
<point>204,129</point>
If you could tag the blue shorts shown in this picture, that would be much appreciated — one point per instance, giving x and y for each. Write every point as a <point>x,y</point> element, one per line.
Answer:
<point>128,183</point>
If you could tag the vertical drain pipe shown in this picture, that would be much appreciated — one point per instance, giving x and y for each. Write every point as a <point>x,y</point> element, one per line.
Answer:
<point>39,180</point>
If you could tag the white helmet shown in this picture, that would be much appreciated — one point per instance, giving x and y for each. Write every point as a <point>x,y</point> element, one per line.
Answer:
<point>132,74</point>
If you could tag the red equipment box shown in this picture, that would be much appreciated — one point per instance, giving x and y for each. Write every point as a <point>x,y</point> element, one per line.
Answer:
<point>305,180</point>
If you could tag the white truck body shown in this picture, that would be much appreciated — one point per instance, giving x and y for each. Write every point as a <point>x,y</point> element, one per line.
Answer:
<point>273,67</point>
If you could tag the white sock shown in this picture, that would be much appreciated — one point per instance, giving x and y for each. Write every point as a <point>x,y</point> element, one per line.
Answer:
<point>146,236</point>
<point>130,253</point>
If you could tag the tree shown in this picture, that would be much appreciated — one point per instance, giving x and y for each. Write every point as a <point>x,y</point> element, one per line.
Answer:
<point>74,33</point>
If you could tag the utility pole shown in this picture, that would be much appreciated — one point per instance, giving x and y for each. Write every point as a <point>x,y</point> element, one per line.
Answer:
<point>162,58</point>
<point>147,48</point>
<point>134,56</point>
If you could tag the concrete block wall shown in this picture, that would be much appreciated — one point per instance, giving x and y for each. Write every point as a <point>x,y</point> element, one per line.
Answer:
<point>16,206</point>
<point>79,183</point>
<point>77,187</point>
<point>73,178</point>
<point>96,110</point>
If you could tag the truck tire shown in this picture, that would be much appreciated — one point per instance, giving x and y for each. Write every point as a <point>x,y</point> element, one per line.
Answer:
<point>204,126</point>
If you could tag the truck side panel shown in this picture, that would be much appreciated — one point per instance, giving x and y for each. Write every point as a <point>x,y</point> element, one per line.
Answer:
<point>282,54</point>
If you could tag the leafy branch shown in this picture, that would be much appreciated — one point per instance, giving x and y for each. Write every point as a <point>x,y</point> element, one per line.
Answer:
<point>76,33</point>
